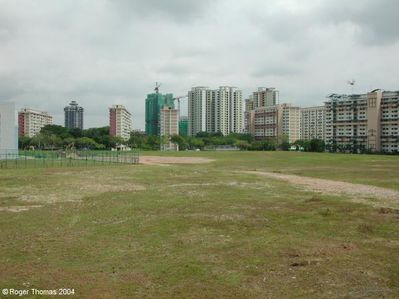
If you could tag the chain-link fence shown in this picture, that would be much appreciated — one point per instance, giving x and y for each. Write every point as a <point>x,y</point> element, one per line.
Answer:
<point>63,158</point>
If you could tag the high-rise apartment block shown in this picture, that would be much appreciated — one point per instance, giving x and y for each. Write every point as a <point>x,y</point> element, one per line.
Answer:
<point>313,123</point>
<point>73,116</point>
<point>212,111</point>
<point>361,122</point>
<point>31,121</point>
<point>153,105</point>
<point>169,125</point>
<point>276,121</point>
<point>120,122</point>
<point>263,97</point>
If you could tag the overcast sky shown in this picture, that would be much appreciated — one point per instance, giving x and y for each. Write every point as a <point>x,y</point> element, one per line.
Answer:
<point>103,52</point>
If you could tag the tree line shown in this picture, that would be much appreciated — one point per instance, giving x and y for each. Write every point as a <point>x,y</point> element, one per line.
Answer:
<point>57,137</point>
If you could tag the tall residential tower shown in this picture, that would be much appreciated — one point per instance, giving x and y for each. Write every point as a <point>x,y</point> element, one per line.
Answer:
<point>120,122</point>
<point>73,116</point>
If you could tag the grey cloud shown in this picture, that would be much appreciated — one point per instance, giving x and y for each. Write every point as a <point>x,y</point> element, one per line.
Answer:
<point>276,70</point>
<point>377,21</point>
<point>106,52</point>
<point>180,11</point>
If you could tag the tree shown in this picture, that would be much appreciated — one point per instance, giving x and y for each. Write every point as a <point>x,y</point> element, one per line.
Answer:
<point>24,142</point>
<point>59,131</point>
<point>196,143</point>
<point>181,141</point>
<point>317,145</point>
<point>242,144</point>
<point>86,143</point>
<point>137,140</point>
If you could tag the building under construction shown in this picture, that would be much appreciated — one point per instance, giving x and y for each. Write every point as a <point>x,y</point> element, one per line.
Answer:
<point>153,105</point>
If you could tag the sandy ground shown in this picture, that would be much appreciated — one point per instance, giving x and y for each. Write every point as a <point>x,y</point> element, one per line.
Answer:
<point>358,192</point>
<point>158,160</point>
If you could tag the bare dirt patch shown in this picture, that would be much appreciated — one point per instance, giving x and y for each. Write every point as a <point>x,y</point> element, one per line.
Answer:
<point>158,160</point>
<point>358,192</point>
<point>16,209</point>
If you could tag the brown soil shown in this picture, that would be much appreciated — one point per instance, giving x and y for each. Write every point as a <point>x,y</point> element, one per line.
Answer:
<point>158,160</point>
<point>358,192</point>
<point>17,209</point>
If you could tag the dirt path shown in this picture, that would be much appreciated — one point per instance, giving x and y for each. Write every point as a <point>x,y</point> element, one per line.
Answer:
<point>158,160</point>
<point>358,192</point>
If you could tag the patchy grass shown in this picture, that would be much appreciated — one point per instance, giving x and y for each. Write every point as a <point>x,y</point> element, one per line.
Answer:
<point>203,231</point>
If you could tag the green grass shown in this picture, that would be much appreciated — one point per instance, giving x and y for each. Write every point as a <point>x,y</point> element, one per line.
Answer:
<point>201,231</point>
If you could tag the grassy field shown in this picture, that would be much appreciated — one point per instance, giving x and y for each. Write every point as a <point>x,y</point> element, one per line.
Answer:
<point>201,231</point>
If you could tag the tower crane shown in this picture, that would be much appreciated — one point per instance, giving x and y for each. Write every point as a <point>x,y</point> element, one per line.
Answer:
<point>178,101</point>
<point>157,86</point>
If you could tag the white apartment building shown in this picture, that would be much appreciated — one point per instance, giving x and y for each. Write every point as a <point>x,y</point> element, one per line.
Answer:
<point>291,122</point>
<point>218,110</point>
<point>359,122</point>
<point>120,122</point>
<point>169,121</point>
<point>31,121</point>
<point>313,123</point>
<point>198,110</point>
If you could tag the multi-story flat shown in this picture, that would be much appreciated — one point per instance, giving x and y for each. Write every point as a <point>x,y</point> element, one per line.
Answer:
<point>169,120</point>
<point>120,122</point>
<point>275,122</point>
<point>218,110</point>
<point>313,123</point>
<point>291,122</point>
<point>31,121</point>
<point>265,97</point>
<point>73,116</point>
<point>199,110</point>
<point>153,105</point>
<point>363,122</point>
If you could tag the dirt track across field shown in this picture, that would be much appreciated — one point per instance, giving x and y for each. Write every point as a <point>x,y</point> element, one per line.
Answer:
<point>358,192</point>
<point>158,160</point>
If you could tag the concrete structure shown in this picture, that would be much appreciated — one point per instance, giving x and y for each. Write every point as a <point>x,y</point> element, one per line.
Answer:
<point>291,122</point>
<point>265,96</point>
<point>73,116</point>
<point>183,126</point>
<point>212,111</point>
<point>313,123</point>
<point>31,121</point>
<point>120,122</point>
<point>8,131</point>
<point>169,125</point>
<point>153,105</point>
<point>199,110</point>
<point>363,122</point>
<point>278,121</point>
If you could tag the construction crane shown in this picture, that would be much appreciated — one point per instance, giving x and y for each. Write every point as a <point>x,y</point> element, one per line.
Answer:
<point>178,101</point>
<point>157,86</point>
